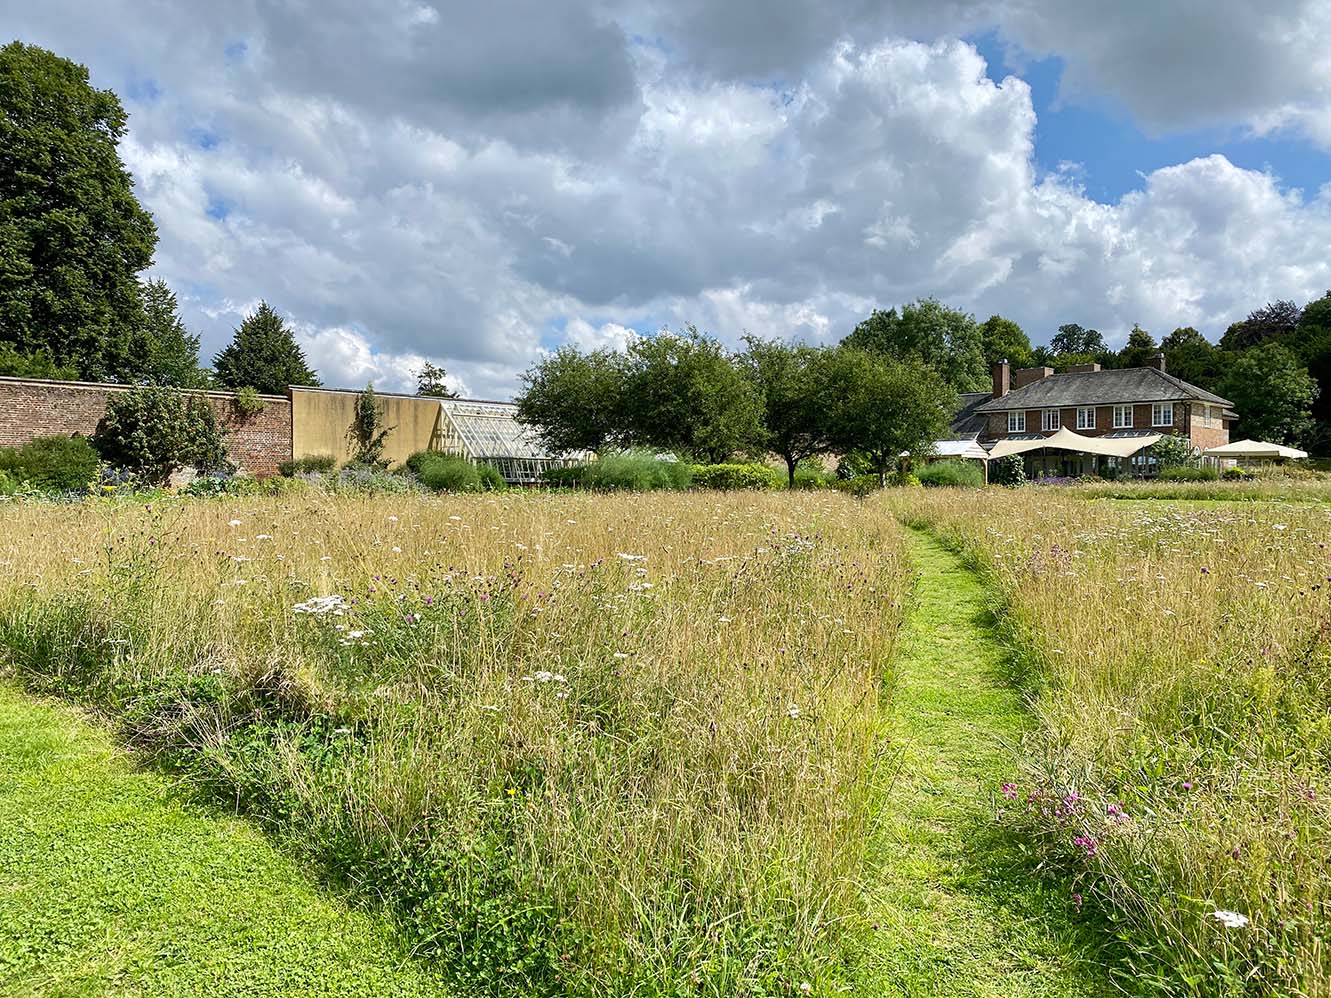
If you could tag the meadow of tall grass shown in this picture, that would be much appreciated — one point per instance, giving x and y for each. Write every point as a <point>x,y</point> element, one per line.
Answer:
<point>579,744</point>
<point>1178,659</point>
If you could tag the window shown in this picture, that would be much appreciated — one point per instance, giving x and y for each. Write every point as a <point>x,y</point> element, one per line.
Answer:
<point>1049,419</point>
<point>1122,417</point>
<point>1086,418</point>
<point>1162,414</point>
<point>1016,422</point>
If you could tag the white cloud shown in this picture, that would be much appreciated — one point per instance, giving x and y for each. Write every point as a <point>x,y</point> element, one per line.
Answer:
<point>782,189</point>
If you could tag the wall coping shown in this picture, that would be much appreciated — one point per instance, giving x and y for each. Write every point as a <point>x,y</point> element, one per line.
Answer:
<point>102,386</point>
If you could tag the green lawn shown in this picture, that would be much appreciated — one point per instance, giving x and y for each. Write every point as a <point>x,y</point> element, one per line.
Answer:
<point>111,883</point>
<point>958,912</point>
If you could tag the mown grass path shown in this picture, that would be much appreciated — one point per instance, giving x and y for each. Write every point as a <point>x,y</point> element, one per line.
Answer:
<point>958,913</point>
<point>111,884</point>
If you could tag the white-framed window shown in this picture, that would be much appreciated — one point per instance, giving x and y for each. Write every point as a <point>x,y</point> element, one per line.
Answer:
<point>1122,417</point>
<point>1016,422</point>
<point>1162,414</point>
<point>1050,419</point>
<point>1086,418</point>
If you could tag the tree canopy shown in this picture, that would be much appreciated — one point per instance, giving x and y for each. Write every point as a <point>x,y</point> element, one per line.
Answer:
<point>791,381</point>
<point>72,234</point>
<point>884,407</point>
<point>1003,339</point>
<point>1072,338</point>
<point>432,382</point>
<point>1272,393</point>
<point>945,339</point>
<point>161,351</point>
<point>573,400</point>
<point>1139,351</point>
<point>263,355</point>
<point>684,392</point>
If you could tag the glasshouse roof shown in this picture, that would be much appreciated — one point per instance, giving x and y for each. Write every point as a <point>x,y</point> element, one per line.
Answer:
<point>490,431</point>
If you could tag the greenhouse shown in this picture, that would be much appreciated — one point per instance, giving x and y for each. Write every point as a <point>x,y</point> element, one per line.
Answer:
<point>490,432</point>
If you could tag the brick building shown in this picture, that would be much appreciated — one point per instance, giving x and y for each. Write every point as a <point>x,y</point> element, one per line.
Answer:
<point>1082,420</point>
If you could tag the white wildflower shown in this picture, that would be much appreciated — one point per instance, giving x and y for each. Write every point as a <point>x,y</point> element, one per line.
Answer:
<point>233,523</point>
<point>392,519</point>
<point>621,654</point>
<point>624,556</point>
<point>320,605</point>
<point>793,711</point>
<point>1230,919</point>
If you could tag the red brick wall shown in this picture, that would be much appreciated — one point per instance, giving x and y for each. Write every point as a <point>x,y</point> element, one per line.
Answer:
<point>1201,436</point>
<point>30,408</point>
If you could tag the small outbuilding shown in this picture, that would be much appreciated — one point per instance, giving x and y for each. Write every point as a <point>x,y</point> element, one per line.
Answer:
<point>1254,452</point>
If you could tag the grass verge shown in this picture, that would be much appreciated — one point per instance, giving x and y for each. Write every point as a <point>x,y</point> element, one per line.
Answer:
<point>110,883</point>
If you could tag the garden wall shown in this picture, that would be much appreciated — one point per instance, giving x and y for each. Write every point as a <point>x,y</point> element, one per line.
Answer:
<point>35,408</point>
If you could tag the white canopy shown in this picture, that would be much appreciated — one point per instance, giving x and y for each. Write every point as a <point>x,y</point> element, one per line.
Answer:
<point>960,448</point>
<point>1065,439</point>
<point>1255,449</point>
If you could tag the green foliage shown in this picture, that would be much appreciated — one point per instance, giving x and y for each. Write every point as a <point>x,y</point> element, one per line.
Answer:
<point>9,485</point>
<point>1003,340</point>
<point>1188,473</point>
<point>685,393</point>
<point>953,473</point>
<point>310,464</point>
<point>1190,356</point>
<point>368,432</point>
<point>72,234</point>
<point>52,464</point>
<point>1172,451</point>
<point>431,381</point>
<point>945,339</point>
<point>626,471</point>
<point>883,407</point>
<point>791,382</point>
<point>247,402</point>
<point>1140,349</point>
<point>1273,321</point>
<point>573,400</point>
<point>1009,471</point>
<point>161,351</point>
<point>1272,393</point>
<point>263,355</point>
<point>1074,339</point>
<point>152,431</point>
<point>15,364</point>
<point>1236,474</point>
<point>733,477</point>
<point>450,473</point>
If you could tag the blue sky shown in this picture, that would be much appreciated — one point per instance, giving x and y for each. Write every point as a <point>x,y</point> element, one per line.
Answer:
<point>1113,153</point>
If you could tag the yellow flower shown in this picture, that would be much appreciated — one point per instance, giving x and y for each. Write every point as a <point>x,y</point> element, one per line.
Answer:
<point>512,792</point>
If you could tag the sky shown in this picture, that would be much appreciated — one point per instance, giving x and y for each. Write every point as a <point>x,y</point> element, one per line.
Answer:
<point>477,184</point>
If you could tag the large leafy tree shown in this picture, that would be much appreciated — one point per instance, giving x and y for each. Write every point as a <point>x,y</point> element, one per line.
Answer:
<point>946,339</point>
<point>573,400</point>
<point>1272,321</point>
<point>263,355</point>
<point>1191,356</point>
<point>791,382</point>
<point>1074,339</point>
<point>1272,393</point>
<point>162,351</point>
<point>1139,350</point>
<point>72,234</point>
<point>883,407</point>
<point>685,392</point>
<point>1003,339</point>
<point>1311,343</point>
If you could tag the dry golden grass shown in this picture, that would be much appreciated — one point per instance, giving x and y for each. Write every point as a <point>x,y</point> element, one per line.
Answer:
<point>1180,663</point>
<point>586,744</point>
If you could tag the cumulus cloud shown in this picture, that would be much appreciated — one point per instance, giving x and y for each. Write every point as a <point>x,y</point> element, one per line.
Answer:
<point>424,182</point>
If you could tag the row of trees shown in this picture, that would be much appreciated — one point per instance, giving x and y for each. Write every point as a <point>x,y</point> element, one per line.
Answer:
<point>686,393</point>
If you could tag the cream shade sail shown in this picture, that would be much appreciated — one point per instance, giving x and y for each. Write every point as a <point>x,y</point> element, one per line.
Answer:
<point>1065,439</point>
<point>1255,449</point>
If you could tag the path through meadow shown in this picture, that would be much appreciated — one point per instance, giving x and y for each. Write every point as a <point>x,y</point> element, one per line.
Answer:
<point>958,913</point>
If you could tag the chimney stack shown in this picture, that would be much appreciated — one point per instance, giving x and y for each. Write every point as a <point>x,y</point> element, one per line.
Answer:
<point>1158,362</point>
<point>1030,375</point>
<point>1002,373</point>
<point>1083,369</point>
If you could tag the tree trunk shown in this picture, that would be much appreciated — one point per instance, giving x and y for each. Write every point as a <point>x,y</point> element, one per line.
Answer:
<point>790,469</point>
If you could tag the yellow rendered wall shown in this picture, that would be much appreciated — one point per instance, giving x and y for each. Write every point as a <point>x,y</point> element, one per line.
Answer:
<point>320,421</point>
